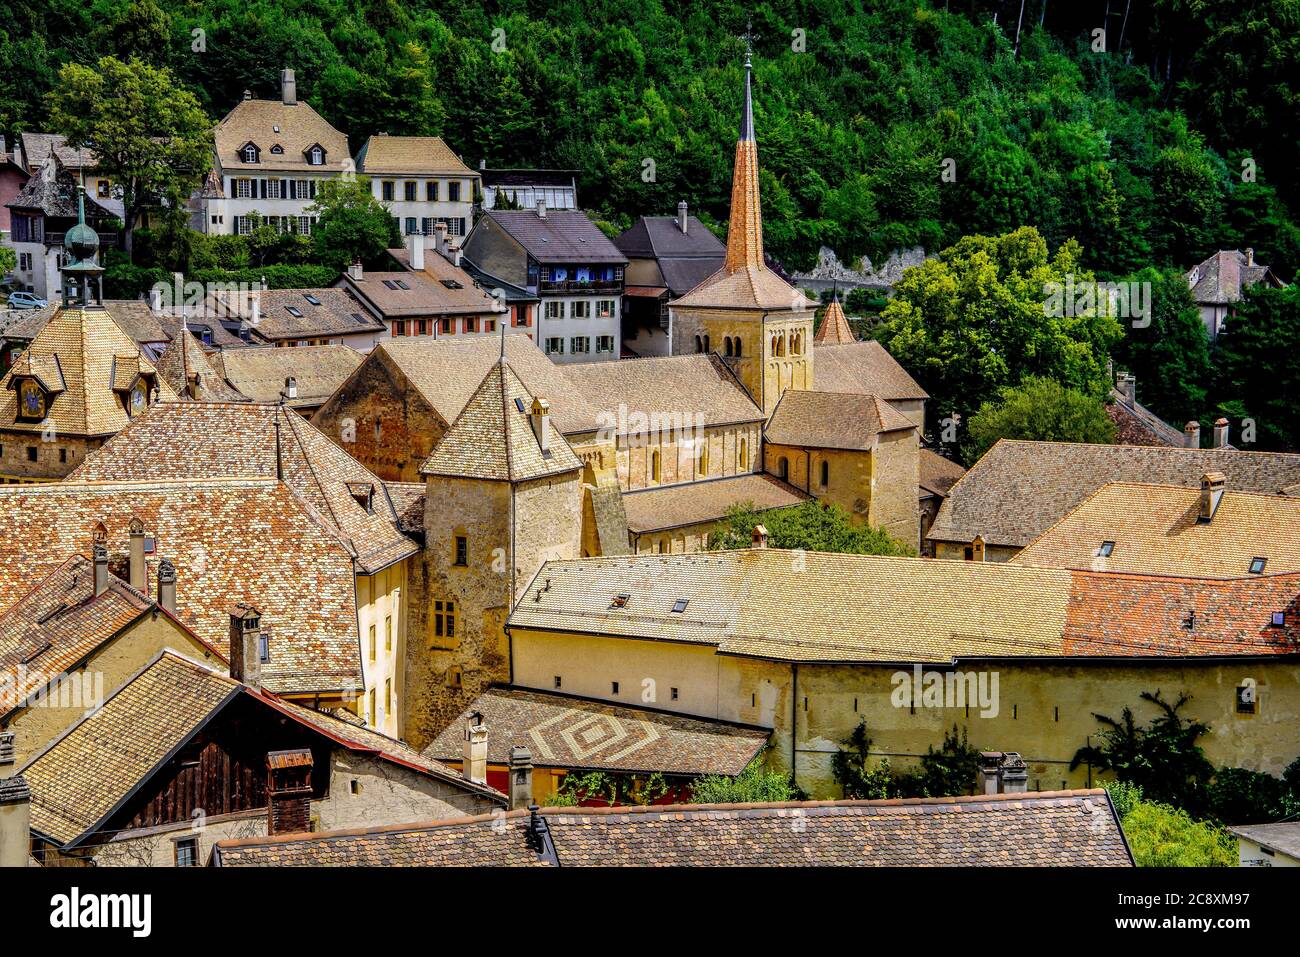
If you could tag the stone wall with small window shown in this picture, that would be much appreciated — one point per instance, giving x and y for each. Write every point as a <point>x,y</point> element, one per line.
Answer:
<point>27,457</point>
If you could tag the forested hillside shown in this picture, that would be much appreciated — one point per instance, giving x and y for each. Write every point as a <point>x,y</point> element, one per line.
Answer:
<point>1137,152</point>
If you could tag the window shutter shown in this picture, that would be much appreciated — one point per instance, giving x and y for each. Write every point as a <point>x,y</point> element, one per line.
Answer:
<point>284,189</point>
<point>311,188</point>
<point>261,188</point>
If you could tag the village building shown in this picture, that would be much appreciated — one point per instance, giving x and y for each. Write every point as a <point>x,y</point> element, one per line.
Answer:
<point>429,296</point>
<point>421,182</point>
<point>525,188</point>
<point>312,317</point>
<point>1052,829</point>
<point>271,157</point>
<point>811,644</point>
<point>1210,532</point>
<point>302,378</point>
<point>937,477</point>
<point>1019,489</point>
<point>13,176</point>
<point>78,634</point>
<point>1268,845</point>
<point>562,257</point>
<point>1218,282</point>
<point>1135,424</point>
<point>186,368</point>
<point>660,752</point>
<point>182,755</point>
<point>32,149</point>
<point>668,256</point>
<point>41,215</point>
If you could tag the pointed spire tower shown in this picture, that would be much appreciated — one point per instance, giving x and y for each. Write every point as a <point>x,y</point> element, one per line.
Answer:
<point>765,322</point>
<point>835,329</point>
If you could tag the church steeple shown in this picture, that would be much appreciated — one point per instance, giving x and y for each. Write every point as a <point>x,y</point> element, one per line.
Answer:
<point>745,229</point>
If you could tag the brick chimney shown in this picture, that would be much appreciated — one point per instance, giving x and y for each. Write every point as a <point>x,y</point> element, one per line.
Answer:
<point>1001,772</point>
<point>167,585</point>
<point>288,791</point>
<point>246,645</point>
<point>101,569</point>
<point>139,574</point>
<point>288,88</point>
<point>15,807</point>
<point>474,759</point>
<point>539,418</point>
<point>1126,385</point>
<point>1220,433</point>
<point>1212,485</point>
<point>758,537</point>
<point>681,216</point>
<point>521,777</point>
<point>1192,434</point>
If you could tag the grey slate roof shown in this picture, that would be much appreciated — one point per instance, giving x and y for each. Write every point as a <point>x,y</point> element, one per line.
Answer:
<point>563,236</point>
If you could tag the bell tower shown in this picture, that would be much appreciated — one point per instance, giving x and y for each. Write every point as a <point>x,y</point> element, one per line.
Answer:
<point>757,322</point>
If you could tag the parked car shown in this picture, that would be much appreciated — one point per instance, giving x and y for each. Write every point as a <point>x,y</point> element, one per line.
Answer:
<point>26,300</point>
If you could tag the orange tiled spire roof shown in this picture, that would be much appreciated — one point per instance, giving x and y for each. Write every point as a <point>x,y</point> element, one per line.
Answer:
<point>834,329</point>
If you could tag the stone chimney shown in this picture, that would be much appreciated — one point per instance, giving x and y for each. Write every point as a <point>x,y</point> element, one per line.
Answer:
<point>415,243</point>
<point>101,569</point>
<point>541,208</point>
<point>1001,772</point>
<point>1220,433</point>
<point>288,791</point>
<point>474,759</point>
<point>540,417</point>
<point>1192,434</point>
<point>246,645</point>
<point>354,271</point>
<point>681,216</point>
<point>1250,256</point>
<point>139,574</point>
<point>758,537</point>
<point>288,88</point>
<point>1212,485</point>
<point>15,807</point>
<point>167,585</point>
<point>521,777</point>
<point>1126,385</point>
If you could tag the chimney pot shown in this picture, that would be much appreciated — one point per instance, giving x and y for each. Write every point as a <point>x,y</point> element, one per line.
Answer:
<point>681,216</point>
<point>246,645</point>
<point>101,569</point>
<point>1192,434</point>
<point>167,585</point>
<point>1212,486</point>
<point>1220,433</point>
<point>474,758</point>
<point>139,574</point>
<point>288,88</point>
<point>15,807</point>
<point>987,774</point>
<point>521,777</point>
<point>1013,774</point>
<point>758,537</point>
<point>540,417</point>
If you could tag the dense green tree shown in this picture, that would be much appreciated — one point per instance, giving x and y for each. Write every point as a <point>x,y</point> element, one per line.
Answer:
<point>1257,368</point>
<point>812,526</point>
<point>1170,357</point>
<point>1163,836</point>
<point>352,225</point>
<point>1040,410</point>
<point>755,785</point>
<point>979,319</point>
<point>148,133</point>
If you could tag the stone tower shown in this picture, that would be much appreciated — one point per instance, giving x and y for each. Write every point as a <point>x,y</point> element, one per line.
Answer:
<point>503,495</point>
<point>745,309</point>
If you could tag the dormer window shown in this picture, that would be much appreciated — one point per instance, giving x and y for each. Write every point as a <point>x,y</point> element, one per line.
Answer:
<point>249,153</point>
<point>32,401</point>
<point>277,150</point>
<point>315,155</point>
<point>137,399</point>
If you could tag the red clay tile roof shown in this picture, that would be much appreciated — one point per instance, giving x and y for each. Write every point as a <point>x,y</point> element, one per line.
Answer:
<point>1043,829</point>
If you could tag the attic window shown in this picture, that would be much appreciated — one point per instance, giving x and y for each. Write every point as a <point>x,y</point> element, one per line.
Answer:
<point>402,285</point>
<point>1257,565</point>
<point>452,284</point>
<point>317,156</point>
<point>249,153</point>
<point>294,311</point>
<point>364,493</point>
<point>311,299</point>
<point>620,600</point>
<point>360,319</point>
<point>390,284</point>
<point>679,605</point>
<point>1106,549</point>
<point>277,149</point>
<point>519,404</point>
<point>1279,619</point>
